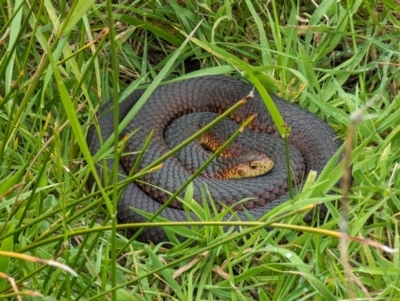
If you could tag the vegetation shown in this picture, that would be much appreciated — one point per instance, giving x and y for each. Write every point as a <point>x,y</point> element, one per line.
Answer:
<point>61,61</point>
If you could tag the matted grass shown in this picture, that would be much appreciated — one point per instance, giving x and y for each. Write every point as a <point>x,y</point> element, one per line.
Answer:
<point>60,62</point>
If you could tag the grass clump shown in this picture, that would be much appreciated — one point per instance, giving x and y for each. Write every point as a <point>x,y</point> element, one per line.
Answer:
<point>61,61</point>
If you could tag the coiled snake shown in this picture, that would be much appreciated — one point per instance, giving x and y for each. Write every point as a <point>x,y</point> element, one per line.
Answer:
<point>312,140</point>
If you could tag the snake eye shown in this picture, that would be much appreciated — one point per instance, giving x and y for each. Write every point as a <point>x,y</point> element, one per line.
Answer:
<point>253,166</point>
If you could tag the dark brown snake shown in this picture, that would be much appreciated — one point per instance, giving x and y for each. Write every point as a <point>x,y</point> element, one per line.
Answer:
<point>311,139</point>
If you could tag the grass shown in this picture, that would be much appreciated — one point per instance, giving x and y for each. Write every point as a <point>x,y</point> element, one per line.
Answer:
<point>60,62</point>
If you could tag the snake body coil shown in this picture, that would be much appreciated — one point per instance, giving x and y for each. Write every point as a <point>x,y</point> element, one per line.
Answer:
<point>245,157</point>
<point>310,137</point>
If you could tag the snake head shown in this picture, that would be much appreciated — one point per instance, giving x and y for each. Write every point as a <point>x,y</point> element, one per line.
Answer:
<point>250,164</point>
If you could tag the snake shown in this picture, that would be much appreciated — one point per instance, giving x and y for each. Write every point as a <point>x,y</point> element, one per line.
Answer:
<point>312,144</point>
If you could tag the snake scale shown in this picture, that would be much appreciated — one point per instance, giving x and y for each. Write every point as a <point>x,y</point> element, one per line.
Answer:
<point>310,137</point>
